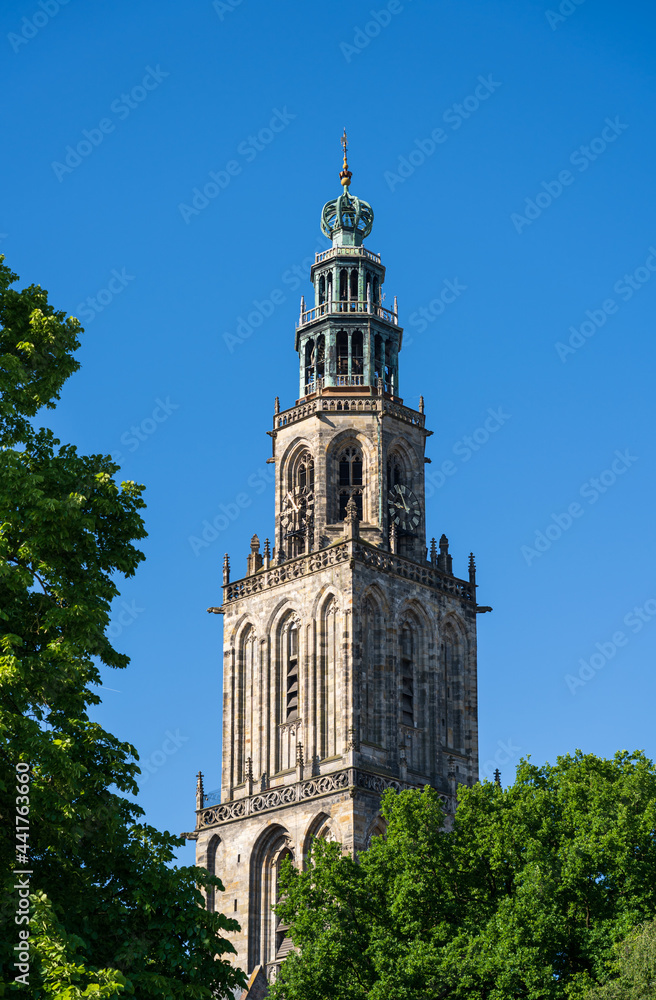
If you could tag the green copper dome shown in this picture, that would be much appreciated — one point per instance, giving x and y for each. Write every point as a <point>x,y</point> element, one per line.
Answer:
<point>347,220</point>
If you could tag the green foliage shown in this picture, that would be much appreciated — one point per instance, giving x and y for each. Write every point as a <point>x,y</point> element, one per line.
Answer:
<point>526,897</point>
<point>111,916</point>
<point>634,968</point>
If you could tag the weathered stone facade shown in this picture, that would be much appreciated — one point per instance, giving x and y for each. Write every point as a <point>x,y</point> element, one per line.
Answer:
<point>349,651</point>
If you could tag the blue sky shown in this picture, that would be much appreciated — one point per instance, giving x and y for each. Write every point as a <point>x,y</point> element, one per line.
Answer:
<point>508,149</point>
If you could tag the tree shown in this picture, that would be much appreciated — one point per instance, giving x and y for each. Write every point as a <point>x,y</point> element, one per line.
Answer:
<point>525,897</point>
<point>634,970</point>
<point>110,915</point>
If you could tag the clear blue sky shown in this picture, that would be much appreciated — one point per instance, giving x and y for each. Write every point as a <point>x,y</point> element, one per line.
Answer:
<point>556,109</point>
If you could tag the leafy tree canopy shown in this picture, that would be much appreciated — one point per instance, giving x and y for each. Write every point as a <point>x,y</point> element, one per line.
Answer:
<point>634,968</point>
<point>525,897</point>
<point>110,915</point>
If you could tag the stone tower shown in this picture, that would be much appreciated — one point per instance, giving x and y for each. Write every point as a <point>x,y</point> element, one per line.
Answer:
<point>350,649</point>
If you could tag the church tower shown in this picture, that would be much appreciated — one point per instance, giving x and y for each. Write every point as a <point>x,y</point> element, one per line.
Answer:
<point>349,647</point>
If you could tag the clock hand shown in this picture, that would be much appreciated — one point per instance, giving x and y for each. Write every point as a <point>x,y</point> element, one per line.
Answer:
<point>291,500</point>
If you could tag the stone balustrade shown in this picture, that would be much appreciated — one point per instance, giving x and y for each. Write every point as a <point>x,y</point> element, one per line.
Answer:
<point>361,551</point>
<point>300,791</point>
<point>319,258</point>
<point>347,306</point>
<point>349,404</point>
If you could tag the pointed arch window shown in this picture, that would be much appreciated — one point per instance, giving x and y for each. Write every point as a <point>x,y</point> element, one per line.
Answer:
<point>350,481</point>
<point>354,284</point>
<point>297,513</point>
<point>408,652</point>
<point>395,473</point>
<point>381,360</point>
<point>314,363</point>
<point>291,674</point>
<point>452,681</point>
<point>321,357</point>
<point>211,868</point>
<point>243,723</point>
<point>283,943</point>
<point>309,365</point>
<point>373,700</point>
<point>342,352</point>
<point>343,284</point>
<point>301,473</point>
<point>357,353</point>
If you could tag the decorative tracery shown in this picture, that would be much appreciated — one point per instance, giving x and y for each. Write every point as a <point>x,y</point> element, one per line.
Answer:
<point>351,481</point>
<point>297,510</point>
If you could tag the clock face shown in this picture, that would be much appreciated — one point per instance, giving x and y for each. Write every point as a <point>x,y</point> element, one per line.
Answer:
<point>403,507</point>
<point>297,510</point>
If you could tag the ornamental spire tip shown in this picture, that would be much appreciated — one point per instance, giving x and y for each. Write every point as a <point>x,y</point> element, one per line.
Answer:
<point>345,174</point>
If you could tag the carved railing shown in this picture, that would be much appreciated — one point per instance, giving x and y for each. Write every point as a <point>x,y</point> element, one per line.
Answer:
<point>346,404</point>
<point>346,252</point>
<point>291,570</point>
<point>363,552</point>
<point>410,570</point>
<point>404,413</point>
<point>348,306</point>
<point>301,791</point>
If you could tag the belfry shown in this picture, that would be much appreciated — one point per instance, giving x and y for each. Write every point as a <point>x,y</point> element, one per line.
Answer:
<point>349,646</point>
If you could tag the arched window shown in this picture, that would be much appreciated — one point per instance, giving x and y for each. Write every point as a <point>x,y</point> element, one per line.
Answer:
<point>357,353</point>
<point>243,723</point>
<point>301,472</point>
<point>395,473</point>
<point>342,352</point>
<point>329,679</point>
<point>297,514</point>
<point>452,684</point>
<point>350,481</point>
<point>320,357</point>
<point>266,933</point>
<point>377,829</point>
<point>291,674</point>
<point>354,284</point>
<point>373,676</point>
<point>283,943</point>
<point>309,366</point>
<point>408,652</point>
<point>288,692</point>
<point>381,360</point>
<point>322,290</point>
<point>210,865</point>
<point>343,284</point>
